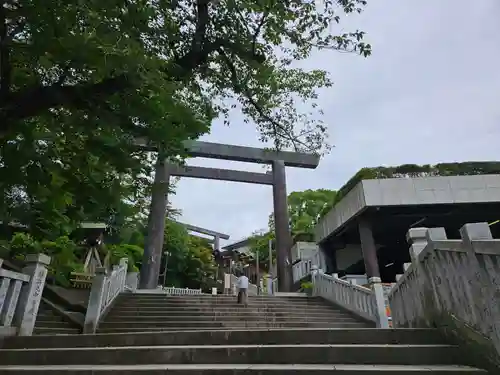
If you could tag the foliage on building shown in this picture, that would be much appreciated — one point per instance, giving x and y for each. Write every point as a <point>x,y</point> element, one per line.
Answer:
<point>469,168</point>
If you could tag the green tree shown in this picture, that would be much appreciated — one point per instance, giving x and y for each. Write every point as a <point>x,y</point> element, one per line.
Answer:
<point>156,68</point>
<point>79,81</point>
<point>259,243</point>
<point>201,266</point>
<point>305,209</point>
<point>190,260</point>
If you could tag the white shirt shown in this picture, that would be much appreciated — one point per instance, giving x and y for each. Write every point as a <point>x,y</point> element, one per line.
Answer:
<point>242,282</point>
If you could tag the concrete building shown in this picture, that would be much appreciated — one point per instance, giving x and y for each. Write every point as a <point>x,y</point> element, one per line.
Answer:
<point>240,247</point>
<point>365,231</point>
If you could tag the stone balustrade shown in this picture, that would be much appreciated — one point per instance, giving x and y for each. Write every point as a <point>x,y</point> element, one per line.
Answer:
<point>452,284</point>
<point>20,295</point>
<point>105,288</point>
<point>303,268</point>
<point>355,298</point>
<point>172,290</point>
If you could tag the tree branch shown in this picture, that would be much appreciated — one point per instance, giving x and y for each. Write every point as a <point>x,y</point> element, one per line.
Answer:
<point>201,48</point>
<point>258,29</point>
<point>201,25</point>
<point>38,99</point>
<point>240,89</point>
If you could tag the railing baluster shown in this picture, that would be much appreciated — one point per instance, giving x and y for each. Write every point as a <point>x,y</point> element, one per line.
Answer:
<point>20,295</point>
<point>358,299</point>
<point>4,289</point>
<point>11,303</point>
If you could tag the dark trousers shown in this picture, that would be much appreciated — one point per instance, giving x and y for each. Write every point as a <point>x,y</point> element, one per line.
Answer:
<point>242,297</point>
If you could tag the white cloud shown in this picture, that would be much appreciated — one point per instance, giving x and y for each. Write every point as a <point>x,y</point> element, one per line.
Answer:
<point>429,94</point>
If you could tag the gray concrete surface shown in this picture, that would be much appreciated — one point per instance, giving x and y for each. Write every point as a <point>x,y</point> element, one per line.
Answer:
<point>409,192</point>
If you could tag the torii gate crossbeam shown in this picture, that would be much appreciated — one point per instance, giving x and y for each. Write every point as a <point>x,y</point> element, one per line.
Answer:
<point>217,236</point>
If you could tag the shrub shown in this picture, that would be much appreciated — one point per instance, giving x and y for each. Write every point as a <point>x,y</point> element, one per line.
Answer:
<point>306,285</point>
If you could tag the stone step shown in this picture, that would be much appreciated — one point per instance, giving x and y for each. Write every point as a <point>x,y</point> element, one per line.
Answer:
<point>53,324</point>
<point>116,317</point>
<point>229,313</point>
<point>403,336</point>
<point>224,309</point>
<point>47,313</point>
<point>227,304</point>
<point>48,318</point>
<point>242,369</point>
<point>237,354</point>
<point>233,305</point>
<point>228,324</point>
<point>41,330</point>
<point>192,299</point>
<point>208,297</point>
<point>218,296</point>
<point>49,322</point>
<point>224,328</point>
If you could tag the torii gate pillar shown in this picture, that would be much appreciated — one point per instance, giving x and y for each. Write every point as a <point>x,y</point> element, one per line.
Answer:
<point>153,244</point>
<point>282,227</point>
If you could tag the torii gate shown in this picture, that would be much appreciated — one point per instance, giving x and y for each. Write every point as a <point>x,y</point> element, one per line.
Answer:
<point>217,236</point>
<point>277,179</point>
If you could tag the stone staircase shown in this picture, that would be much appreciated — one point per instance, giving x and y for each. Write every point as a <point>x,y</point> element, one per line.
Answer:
<point>155,334</point>
<point>48,322</point>
<point>139,313</point>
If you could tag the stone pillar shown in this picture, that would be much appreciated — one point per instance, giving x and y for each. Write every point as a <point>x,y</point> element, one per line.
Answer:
<point>328,260</point>
<point>269,285</point>
<point>31,293</point>
<point>417,239</point>
<point>94,305</point>
<point>151,260</point>
<point>315,271</point>
<point>132,281</point>
<point>369,250</point>
<point>217,244</point>
<point>282,229</point>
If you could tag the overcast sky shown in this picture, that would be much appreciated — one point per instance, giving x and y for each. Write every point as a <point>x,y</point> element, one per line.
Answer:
<point>428,94</point>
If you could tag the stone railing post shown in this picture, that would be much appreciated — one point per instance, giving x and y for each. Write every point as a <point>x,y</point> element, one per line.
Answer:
<point>31,293</point>
<point>94,306</point>
<point>378,294</point>
<point>314,277</point>
<point>423,297</point>
<point>417,239</point>
<point>269,285</point>
<point>484,282</point>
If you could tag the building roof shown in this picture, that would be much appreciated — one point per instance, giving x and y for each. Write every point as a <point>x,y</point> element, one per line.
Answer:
<point>403,201</point>
<point>237,245</point>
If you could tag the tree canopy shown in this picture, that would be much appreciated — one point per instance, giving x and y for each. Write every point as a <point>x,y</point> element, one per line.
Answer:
<point>79,81</point>
<point>305,209</point>
<point>190,260</point>
<point>159,68</point>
